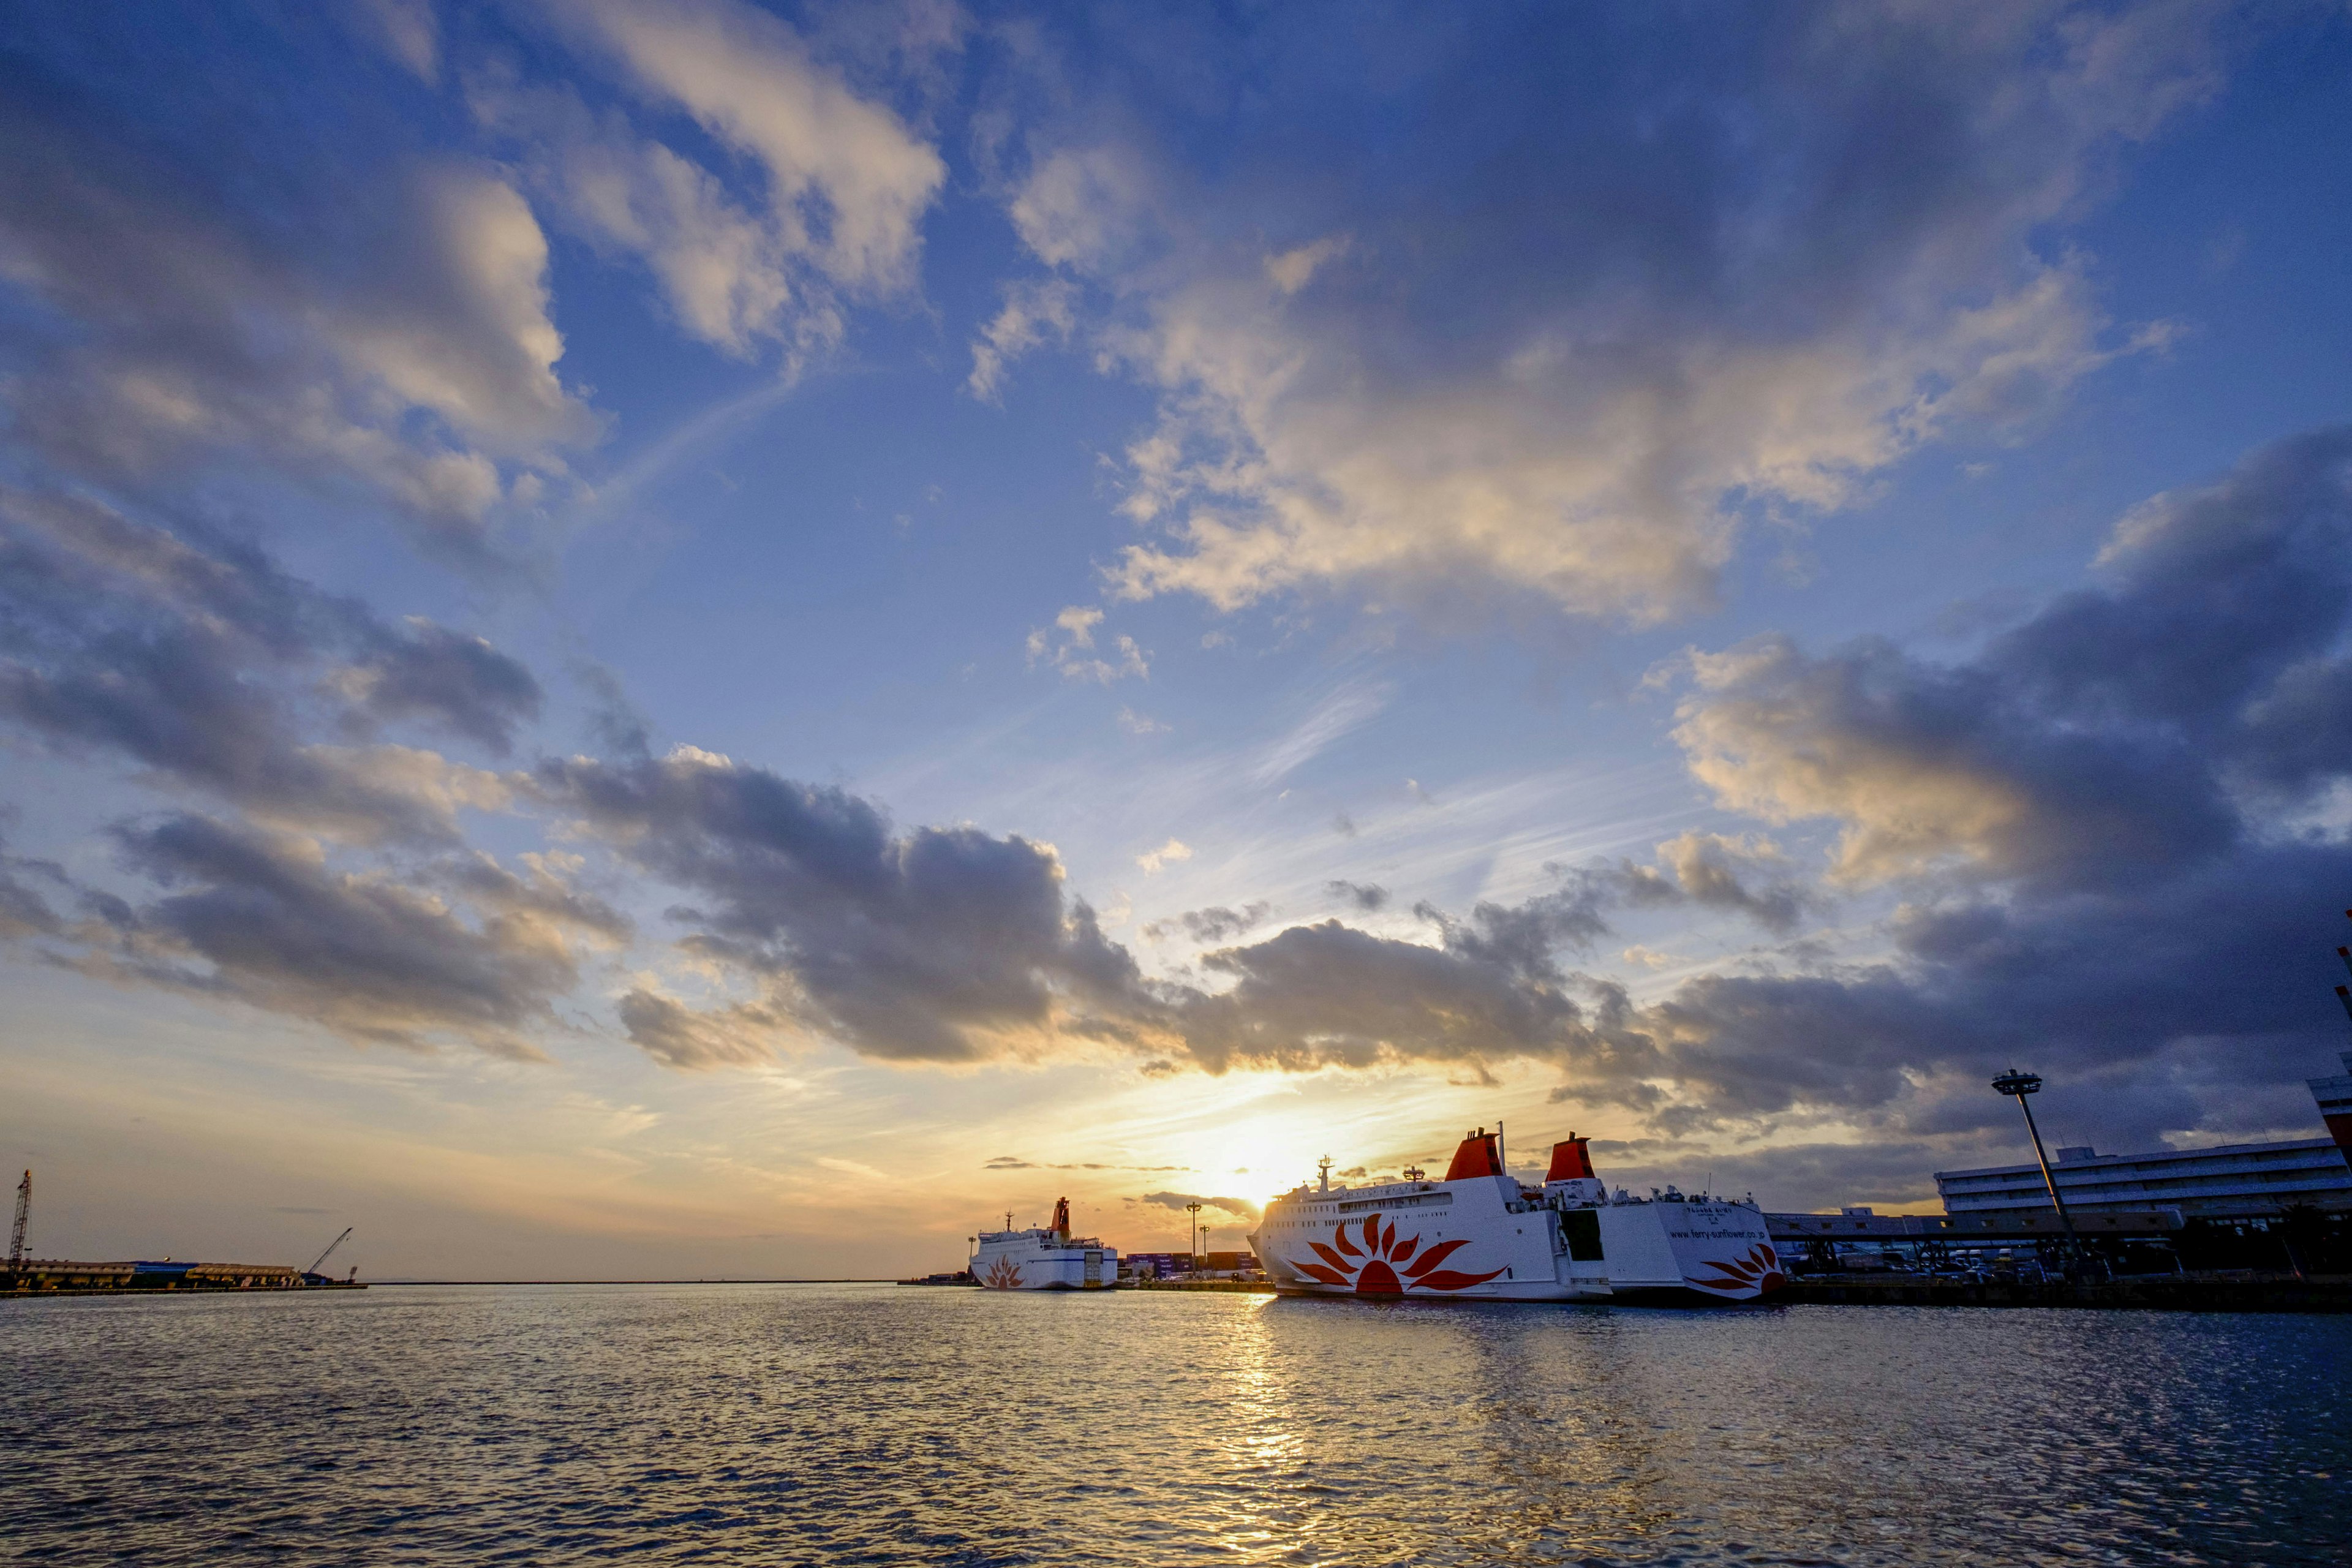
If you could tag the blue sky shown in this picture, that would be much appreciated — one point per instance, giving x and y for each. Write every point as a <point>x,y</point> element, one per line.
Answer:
<point>696,638</point>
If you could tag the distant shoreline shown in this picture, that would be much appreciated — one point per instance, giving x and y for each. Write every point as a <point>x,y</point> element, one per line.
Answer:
<point>725,1281</point>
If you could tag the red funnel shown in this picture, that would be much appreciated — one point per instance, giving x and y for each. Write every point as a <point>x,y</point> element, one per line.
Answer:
<point>1570,1160</point>
<point>1476,1157</point>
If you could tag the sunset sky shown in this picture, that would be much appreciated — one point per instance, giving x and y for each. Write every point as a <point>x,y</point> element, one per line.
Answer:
<point>688,638</point>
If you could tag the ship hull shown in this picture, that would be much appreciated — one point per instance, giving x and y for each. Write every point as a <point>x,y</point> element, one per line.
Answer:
<point>1041,1260</point>
<point>1489,1238</point>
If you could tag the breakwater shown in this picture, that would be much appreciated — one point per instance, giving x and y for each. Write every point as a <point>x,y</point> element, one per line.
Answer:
<point>63,1277</point>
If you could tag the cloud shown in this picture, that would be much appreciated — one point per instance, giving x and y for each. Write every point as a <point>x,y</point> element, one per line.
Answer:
<point>1241,1207</point>
<point>2093,818</point>
<point>2128,911</point>
<point>1291,271</point>
<point>1566,370</point>
<point>727,275</point>
<point>202,661</point>
<point>953,945</point>
<point>1174,849</point>
<point>847,181</point>
<point>408,31</point>
<point>678,1036</point>
<point>1351,707</point>
<point>1708,868</point>
<point>1074,654</point>
<point>1136,723</point>
<point>406,345</point>
<point>264,919</point>
<point>942,944</point>
<point>1034,313</point>
<point>1329,996</point>
<point>1082,206</point>
<point>450,679</point>
<point>23,911</point>
<point>1211,925</point>
<point>2101,741</point>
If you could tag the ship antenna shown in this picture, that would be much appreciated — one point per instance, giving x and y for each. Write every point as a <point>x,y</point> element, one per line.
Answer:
<point>1324,1167</point>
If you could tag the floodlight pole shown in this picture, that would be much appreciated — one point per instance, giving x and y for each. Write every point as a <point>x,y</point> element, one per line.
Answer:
<point>2017,1086</point>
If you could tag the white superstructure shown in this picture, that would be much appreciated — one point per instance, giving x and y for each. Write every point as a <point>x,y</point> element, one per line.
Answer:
<point>1483,1235</point>
<point>1045,1257</point>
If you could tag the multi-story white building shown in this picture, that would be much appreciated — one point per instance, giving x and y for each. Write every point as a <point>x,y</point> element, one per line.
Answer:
<point>2228,1181</point>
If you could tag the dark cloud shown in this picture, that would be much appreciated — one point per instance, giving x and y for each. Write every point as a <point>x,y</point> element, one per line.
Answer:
<point>198,658</point>
<point>1714,871</point>
<point>1364,895</point>
<point>1211,925</point>
<point>2088,814</point>
<point>1328,995</point>
<point>678,1036</point>
<point>23,911</point>
<point>953,945</point>
<point>942,944</point>
<point>2104,742</point>
<point>264,919</point>
<point>450,678</point>
<point>615,722</point>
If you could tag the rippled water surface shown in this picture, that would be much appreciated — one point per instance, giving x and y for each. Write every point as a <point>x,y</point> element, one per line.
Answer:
<point>873,1423</point>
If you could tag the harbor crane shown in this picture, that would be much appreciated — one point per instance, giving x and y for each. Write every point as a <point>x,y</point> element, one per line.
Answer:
<point>16,1231</point>
<point>322,1259</point>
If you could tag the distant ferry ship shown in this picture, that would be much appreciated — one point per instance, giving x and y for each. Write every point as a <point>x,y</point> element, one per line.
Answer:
<point>1483,1235</point>
<point>1043,1260</point>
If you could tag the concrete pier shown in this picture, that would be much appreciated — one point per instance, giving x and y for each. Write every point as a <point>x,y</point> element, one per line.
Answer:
<point>58,1276</point>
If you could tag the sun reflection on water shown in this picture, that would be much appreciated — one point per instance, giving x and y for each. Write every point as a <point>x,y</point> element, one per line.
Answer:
<point>783,1425</point>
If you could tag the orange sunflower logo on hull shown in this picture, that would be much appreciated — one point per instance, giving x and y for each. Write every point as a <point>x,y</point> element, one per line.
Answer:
<point>1376,1263</point>
<point>1003,1275</point>
<point>1758,1271</point>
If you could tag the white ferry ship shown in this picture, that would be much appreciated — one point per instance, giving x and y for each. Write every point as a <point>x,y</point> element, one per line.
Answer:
<point>1483,1235</point>
<point>1047,1259</point>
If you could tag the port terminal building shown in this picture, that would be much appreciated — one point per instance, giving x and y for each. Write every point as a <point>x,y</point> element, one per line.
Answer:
<point>2228,1180</point>
<point>2225,1181</point>
<point>2157,1202</point>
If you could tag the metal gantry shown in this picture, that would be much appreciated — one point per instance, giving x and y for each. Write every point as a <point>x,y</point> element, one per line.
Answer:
<point>16,1231</point>
<point>316,1262</point>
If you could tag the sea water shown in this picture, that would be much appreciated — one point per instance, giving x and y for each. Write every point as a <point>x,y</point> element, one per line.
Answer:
<point>778,1423</point>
